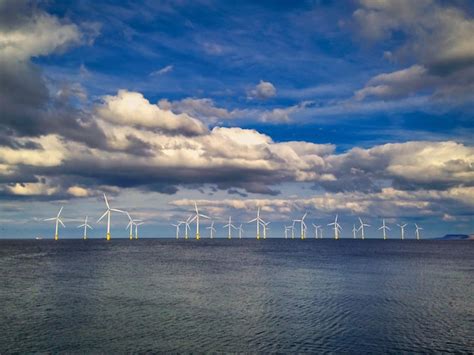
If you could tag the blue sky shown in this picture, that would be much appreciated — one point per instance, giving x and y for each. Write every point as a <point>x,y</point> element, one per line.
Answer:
<point>357,108</point>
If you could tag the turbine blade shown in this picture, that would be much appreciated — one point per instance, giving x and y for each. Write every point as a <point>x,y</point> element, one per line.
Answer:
<point>105,214</point>
<point>50,219</point>
<point>204,216</point>
<point>106,202</point>
<point>61,223</point>
<point>116,210</point>
<point>60,210</point>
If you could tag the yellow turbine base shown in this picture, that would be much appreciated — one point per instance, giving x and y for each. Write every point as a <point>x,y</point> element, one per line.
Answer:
<point>136,238</point>
<point>56,237</point>
<point>198,236</point>
<point>85,238</point>
<point>258,237</point>
<point>107,237</point>
<point>229,237</point>
<point>131,237</point>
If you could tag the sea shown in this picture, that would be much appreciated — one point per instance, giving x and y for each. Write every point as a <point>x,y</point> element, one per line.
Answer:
<point>221,296</point>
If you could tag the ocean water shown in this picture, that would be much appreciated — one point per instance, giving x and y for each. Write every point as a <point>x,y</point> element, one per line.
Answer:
<point>346,296</point>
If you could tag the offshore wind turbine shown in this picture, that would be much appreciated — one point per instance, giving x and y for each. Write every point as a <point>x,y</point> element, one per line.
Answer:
<point>384,229</point>
<point>58,220</point>
<point>85,225</point>
<point>354,231</point>
<point>258,221</point>
<point>108,213</point>
<point>130,225</point>
<point>187,226</point>
<point>286,231</point>
<point>293,230</point>
<point>230,226</point>
<point>136,229</point>
<point>212,230</point>
<point>361,228</point>
<point>316,228</point>
<point>417,231</point>
<point>196,218</point>
<point>240,229</point>
<point>402,230</point>
<point>265,228</point>
<point>337,228</point>
<point>177,229</point>
<point>302,226</point>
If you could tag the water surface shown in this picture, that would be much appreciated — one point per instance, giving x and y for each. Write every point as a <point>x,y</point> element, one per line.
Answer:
<point>239,295</point>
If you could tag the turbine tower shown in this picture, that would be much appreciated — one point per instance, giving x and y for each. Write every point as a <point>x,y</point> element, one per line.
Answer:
<point>258,221</point>
<point>240,231</point>
<point>265,228</point>
<point>187,226</point>
<point>316,228</point>
<point>302,226</point>
<point>58,220</point>
<point>402,230</point>
<point>230,226</point>
<point>108,213</point>
<point>337,228</point>
<point>177,229</point>
<point>196,218</point>
<point>361,228</point>
<point>286,231</point>
<point>417,231</point>
<point>212,230</point>
<point>130,225</point>
<point>293,230</point>
<point>384,228</point>
<point>136,229</point>
<point>354,231</point>
<point>85,225</point>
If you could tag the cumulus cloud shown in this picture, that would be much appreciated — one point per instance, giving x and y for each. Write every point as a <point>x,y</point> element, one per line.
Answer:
<point>131,108</point>
<point>202,108</point>
<point>263,90</point>
<point>438,37</point>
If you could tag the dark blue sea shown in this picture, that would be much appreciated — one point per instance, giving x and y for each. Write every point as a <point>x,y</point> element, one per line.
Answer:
<point>315,296</point>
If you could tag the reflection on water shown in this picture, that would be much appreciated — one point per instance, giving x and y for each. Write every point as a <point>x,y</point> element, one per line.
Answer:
<point>239,295</point>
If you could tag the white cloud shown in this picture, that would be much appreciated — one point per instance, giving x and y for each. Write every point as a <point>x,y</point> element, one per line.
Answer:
<point>164,70</point>
<point>263,90</point>
<point>131,108</point>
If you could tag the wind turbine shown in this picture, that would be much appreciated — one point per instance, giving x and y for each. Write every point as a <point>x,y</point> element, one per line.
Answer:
<point>130,225</point>
<point>316,228</point>
<point>337,228</point>
<point>384,228</point>
<point>302,226</point>
<point>177,229</point>
<point>287,228</point>
<point>402,230</point>
<point>108,213</point>
<point>293,230</point>
<point>212,230</point>
<point>321,233</point>
<point>58,220</point>
<point>361,228</point>
<point>85,225</point>
<point>417,231</point>
<point>136,229</point>
<point>240,231</point>
<point>196,217</point>
<point>186,226</point>
<point>230,226</point>
<point>354,231</point>
<point>258,220</point>
<point>265,228</point>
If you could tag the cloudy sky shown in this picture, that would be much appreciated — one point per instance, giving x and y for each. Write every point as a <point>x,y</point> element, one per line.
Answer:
<point>357,108</point>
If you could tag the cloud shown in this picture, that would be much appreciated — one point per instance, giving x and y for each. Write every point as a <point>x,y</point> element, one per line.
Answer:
<point>164,70</point>
<point>202,108</point>
<point>131,108</point>
<point>282,115</point>
<point>437,36</point>
<point>263,90</point>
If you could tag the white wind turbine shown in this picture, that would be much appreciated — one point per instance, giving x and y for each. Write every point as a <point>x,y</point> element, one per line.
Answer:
<point>58,220</point>
<point>287,228</point>
<point>417,231</point>
<point>302,226</point>
<point>196,217</point>
<point>230,226</point>
<point>402,230</point>
<point>337,228</point>
<point>187,226</point>
<point>240,229</point>
<point>212,230</point>
<point>354,231</point>
<point>85,225</point>
<point>177,229</point>
<point>130,225</point>
<point>316,228</point>
<point>293,230</point>
<point>321,233</point>
<point>258,221</point>
<point>361,228</point>
<point>265,229</point>
<point>136,229</point>
<point>108,213</point>
<point>384,229</point>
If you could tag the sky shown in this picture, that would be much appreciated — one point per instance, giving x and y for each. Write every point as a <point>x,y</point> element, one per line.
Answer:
<point>356,108</point>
